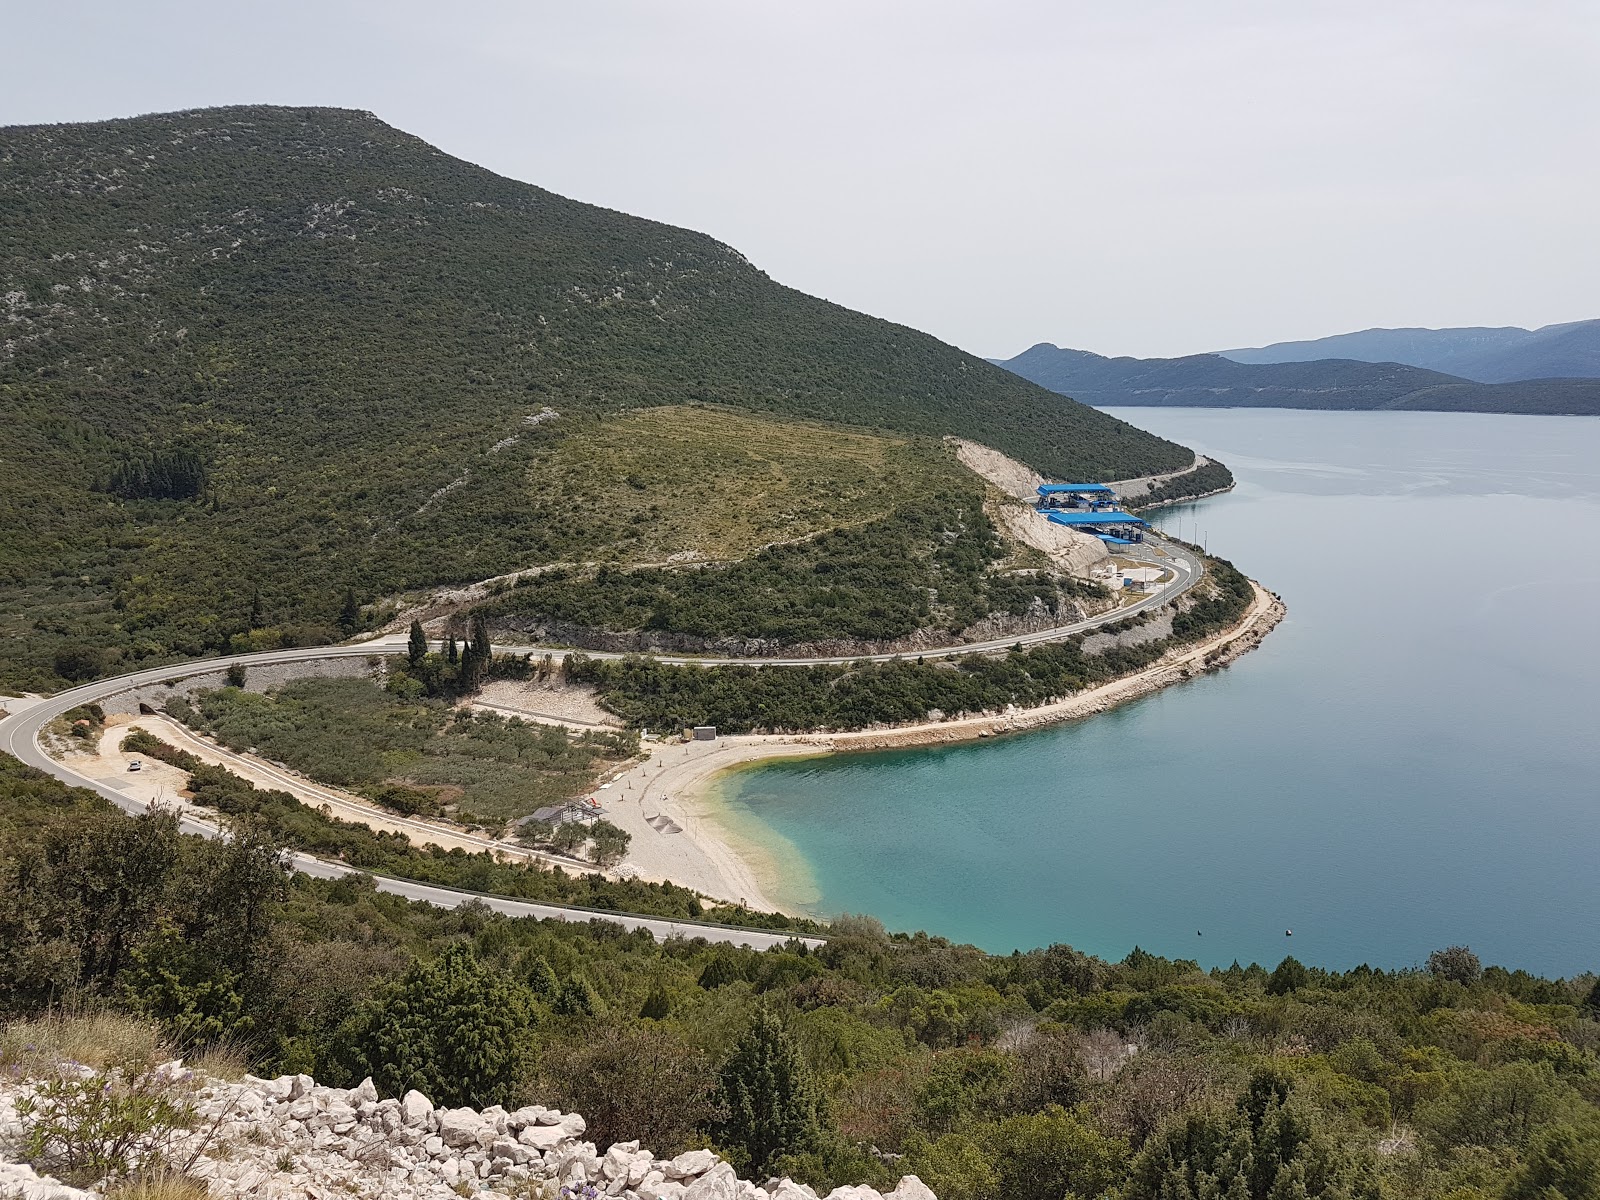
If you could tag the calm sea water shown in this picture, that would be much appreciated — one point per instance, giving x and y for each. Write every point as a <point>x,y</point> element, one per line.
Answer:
<point>1411,760</point>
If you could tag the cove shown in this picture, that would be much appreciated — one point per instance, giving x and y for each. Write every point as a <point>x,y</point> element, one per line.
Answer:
<point>1411,760</point>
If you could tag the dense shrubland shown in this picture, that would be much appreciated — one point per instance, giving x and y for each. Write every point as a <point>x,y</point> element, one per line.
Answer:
<point>649,694</point>
<point>928,565</point>
<point>1046,1074</point>
<point>362,341</point>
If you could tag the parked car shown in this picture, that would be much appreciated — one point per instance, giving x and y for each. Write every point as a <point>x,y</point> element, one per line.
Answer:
<point>135,765</point>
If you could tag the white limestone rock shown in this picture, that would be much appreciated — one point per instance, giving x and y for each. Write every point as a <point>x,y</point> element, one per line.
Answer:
<point>459,1126</point>
<point>690,1164</point>
<point>911,1188</point>
<point>541,1137</point>
<point>415,1108</point>
<point>719,1183</point>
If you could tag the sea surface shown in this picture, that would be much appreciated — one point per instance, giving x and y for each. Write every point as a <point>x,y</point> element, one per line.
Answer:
<point>1412,760</point>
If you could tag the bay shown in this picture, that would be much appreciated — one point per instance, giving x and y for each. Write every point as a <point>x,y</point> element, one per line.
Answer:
<point>1410,761</point>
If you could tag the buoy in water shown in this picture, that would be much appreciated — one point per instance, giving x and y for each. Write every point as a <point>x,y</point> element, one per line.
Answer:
<point>1288,933</point>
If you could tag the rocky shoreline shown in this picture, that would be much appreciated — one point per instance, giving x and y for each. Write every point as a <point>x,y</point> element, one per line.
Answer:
<point>292,1139</point>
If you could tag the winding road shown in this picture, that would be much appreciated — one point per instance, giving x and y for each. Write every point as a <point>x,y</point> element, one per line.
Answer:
<point>19,737</point>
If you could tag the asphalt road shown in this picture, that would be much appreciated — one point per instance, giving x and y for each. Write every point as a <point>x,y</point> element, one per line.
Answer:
<point>19,737</point>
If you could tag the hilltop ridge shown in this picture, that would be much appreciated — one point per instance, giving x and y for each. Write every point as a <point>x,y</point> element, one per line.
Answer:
<point>1218,381</point>
<point>1569,350</point>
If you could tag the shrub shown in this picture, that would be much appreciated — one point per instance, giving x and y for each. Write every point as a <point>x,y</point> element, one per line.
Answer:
<point>769,1102</point>
<point>1456,964</point>
<point>641,1082</point>
<point>104,1124</point>
<point>454,1029</point>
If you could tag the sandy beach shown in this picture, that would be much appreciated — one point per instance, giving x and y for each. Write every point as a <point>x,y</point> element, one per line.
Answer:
<point>677,779</point>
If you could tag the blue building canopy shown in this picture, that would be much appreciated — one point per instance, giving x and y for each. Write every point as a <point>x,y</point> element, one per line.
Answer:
<point>1082,517</point>
<point>1066,489</point>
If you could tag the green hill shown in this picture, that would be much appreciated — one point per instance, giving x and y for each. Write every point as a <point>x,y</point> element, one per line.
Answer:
<point>1218,381</point>
<point>257,363</point>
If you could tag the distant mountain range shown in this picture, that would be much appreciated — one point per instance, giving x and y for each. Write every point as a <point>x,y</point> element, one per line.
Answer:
<point>1221,381</point>
<point>1485,355</point>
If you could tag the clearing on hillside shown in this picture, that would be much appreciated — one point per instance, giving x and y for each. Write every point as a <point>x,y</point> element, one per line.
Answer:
<point>710,483</point>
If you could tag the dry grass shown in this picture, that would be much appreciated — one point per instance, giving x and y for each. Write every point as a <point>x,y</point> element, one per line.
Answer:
<point>721,484</point>
<point>226,1059</point>
<point>97,1038</point>
<point>159,1185</point>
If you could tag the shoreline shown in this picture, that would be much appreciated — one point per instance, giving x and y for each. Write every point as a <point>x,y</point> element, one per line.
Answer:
<point>701,848</point>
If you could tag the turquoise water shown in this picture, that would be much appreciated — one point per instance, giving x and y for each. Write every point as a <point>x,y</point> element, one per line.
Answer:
<point>1411,760</point>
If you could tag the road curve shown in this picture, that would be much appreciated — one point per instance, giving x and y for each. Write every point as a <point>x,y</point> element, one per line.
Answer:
<point>19,737</point>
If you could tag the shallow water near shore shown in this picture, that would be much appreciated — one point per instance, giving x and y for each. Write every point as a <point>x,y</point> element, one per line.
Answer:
<point>1411,760</point>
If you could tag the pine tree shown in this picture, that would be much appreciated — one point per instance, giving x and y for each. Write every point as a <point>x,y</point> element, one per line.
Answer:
<point>417,646</point>
<point>768,1097</point>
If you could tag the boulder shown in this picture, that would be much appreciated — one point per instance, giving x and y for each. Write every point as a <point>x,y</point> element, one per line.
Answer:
<point>541,1137</point>
<point>573,1125</point>
<point>691,1163</point>
<point>788,1189</point>
<point>459,1126</point>
<point>858,1192</point>
<point>911,1188</point>
<point>415,1107</point>
<point>719,1183</point>
<point>300,1085</point>
<point>365,1090</point>
<point>664,1189</point>
<point>527,1115</point>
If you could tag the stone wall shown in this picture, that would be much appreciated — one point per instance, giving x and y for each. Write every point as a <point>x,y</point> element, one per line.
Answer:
<point>257,679</point>
<point>290,1139</point>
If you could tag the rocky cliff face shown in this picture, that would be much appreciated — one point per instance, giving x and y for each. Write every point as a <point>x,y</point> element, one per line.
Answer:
<point>290,1139</point>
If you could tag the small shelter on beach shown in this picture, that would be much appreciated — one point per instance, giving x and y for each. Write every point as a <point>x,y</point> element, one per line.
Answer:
<point>587,810</point>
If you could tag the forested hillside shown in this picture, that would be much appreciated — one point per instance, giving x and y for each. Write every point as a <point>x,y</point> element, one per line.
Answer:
<point>1487,355</point>
<point>261,366</point>
<point>1218,381</point>
<point>1042,1075</point>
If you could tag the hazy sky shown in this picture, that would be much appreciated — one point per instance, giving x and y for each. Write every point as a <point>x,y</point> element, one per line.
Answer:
<point>1131,177</point>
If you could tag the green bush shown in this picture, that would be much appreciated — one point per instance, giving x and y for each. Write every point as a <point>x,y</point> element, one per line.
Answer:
<point>84,1128</point>
<point>453,1029</point>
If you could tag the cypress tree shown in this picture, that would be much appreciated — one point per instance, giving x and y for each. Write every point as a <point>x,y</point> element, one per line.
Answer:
<point>768,1097</point>
<point>417,646</point>
<point>350,612</point>
<point>258,616</point>
<point>480,638</point>
<point>452,654</point>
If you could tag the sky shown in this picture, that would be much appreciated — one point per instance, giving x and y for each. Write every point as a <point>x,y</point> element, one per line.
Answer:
<point>1146,177</point>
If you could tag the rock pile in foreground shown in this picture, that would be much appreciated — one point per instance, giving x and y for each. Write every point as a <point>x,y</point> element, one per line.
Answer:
<point>290,1139</point>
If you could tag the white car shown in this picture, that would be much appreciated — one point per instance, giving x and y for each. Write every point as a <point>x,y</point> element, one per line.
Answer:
<point>135,765</point>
